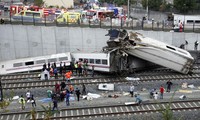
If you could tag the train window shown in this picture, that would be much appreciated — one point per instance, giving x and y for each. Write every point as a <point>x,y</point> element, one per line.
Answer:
<point>105,62</point>
<point>29,63</point>
<point>17,64</point>
<point>40,62</point>
<point>171,48</point>
<point>85,60</point>
<point>98,61</point>
<point>80,59</point>
<point>91,60</point>
<point>63,58</point>
<point>2,66</point>
<point>52,60</point>
<point>197,21</point>
<point>189,21</point>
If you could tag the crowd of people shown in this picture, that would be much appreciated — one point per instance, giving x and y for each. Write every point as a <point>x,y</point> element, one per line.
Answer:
<point>29,99</point>
<point>154,94</point>
<point>79,68</point>
<point>64,92</point>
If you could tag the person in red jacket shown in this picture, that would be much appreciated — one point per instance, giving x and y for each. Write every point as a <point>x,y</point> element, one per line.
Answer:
<point>161,91</point>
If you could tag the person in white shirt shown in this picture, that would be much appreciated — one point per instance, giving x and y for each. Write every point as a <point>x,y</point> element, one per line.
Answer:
<point>132,90</point>
<point>155,96</point>
<point>28,95</point>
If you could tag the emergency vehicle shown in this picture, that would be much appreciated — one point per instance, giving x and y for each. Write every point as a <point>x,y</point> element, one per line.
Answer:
<point>69,17</point>
<point>28,16</point>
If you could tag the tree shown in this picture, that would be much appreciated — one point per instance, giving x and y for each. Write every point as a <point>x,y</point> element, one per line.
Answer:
<point>184,6</point>
<point>6,101</point>
<point>152,4</point>
<point>48,113</point>
<point>32,113</point>
<point>118,2</point>
<point>38,3</point>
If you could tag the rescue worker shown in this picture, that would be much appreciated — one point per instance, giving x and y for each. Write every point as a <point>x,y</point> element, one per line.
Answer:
<point>85,65</point>
<point>83,89</point>
<point>76,67</point>
<point>28,95</point>
<point>33,101</point>
<point>92,70</point>
<point>55,104</point>
<point>68,76</point>
<point>138,100</point>
<point>79,68</point>
<point>71,89</point>
<point>57,88</point>
<point>67,98</point>
<point>22,102</point>
<point>169,84</point>
<point>61,68</point>
<point>77,91</point>
<point>55,71</point>
<point>161,91</point>
<point>132,90</point>
<point>62,85</point>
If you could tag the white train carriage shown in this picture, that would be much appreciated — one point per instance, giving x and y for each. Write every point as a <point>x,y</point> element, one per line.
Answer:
<point>33,63</point>
<point>160,53</point>
<point>111,62</point>
<point>100,61</point>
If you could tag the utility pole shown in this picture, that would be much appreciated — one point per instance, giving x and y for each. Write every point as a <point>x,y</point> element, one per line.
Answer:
<point>147,9</point>
<point>128,13</point>
<point>1,91</point>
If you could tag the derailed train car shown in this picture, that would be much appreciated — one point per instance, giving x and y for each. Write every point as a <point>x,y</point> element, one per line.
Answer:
<point>135,44</point>
<point>33,63</point>
<point>112,61</point>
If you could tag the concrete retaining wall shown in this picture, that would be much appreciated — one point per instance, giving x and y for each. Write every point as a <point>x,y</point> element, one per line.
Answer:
<point>19,41</point>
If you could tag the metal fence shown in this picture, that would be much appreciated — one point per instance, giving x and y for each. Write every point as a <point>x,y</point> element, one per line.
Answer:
<point>107,23</point>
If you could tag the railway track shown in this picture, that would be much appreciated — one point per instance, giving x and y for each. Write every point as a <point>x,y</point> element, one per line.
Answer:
<point>109,110</point>
<point>34,75</point>
<point>98,80</point>
<point>30,76</point>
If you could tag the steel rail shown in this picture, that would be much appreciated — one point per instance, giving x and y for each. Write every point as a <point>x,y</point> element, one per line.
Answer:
<point>118,109</point>
<point>97,80</point>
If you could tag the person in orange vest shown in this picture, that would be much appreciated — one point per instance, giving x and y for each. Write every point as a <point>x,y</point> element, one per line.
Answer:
<point>51,72</point>
<point>68,76</point>
<point>71,89</point>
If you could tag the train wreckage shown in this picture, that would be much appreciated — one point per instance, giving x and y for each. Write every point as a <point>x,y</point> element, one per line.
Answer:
<point>138,46</point>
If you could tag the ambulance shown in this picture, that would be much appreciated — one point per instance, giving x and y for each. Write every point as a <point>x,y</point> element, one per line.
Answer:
<point>69,17</point>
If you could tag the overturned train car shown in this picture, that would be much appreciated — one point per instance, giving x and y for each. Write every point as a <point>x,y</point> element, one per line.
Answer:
<point>154,51</point>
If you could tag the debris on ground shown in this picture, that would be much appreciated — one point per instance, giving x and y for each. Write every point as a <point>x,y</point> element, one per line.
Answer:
<point>109,87</point>
<point>184,85</point>
<point>182,97</point>
<point>132,78</point>
<point>191,86</point>
<point>90,96</point>
<point>113,96</point>
<point>15,97</point>
<point>143,89</point>
<point>126,93</point>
